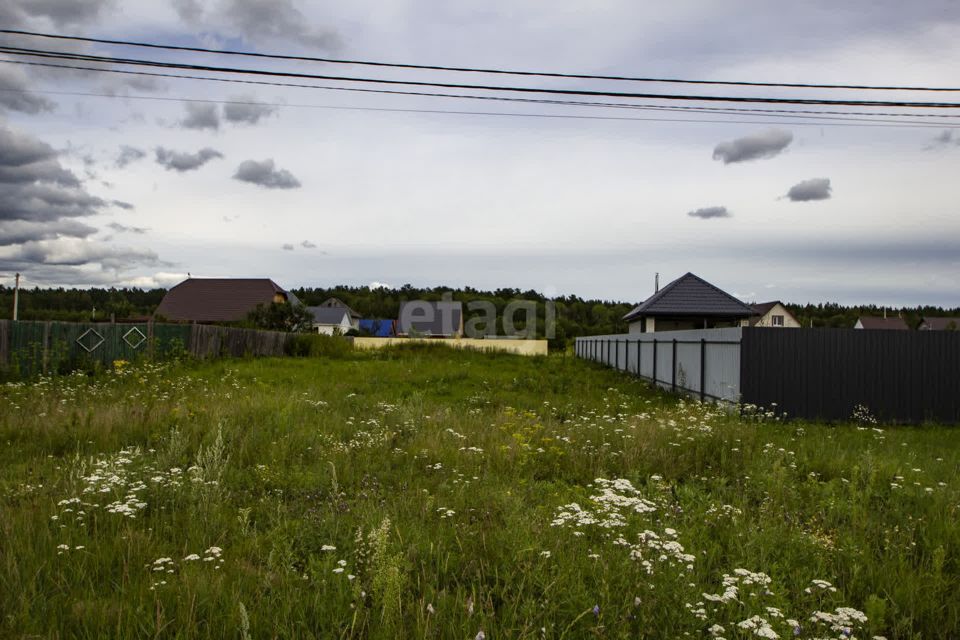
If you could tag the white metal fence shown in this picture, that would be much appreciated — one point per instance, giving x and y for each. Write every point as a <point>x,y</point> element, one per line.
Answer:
<point>705,363</point>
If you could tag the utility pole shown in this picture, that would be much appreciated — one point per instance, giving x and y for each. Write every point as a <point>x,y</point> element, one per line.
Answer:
<point>16,295</point>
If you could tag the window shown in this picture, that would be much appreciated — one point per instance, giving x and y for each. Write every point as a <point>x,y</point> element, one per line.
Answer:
<point>776,321</point>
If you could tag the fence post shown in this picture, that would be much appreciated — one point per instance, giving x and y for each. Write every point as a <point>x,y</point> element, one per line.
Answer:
<point>703,370</point>
<point>673,363</point>
<point>606,359</point>
<point>654,362</point>
<point>46,347</point>
<point>616,354</point>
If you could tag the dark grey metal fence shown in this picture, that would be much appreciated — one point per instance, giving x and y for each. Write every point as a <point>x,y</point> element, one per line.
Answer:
<point>817,374</point>
<point>900,376</point>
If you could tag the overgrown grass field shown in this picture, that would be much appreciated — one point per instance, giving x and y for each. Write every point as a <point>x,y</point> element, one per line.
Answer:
<point>432,493</point>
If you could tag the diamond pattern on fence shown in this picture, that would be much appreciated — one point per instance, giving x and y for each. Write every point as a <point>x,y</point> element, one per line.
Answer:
<point>134,338</point>
<point>87,337</point>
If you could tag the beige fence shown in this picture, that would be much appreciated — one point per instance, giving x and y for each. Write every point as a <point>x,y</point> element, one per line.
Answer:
<point>520,347</point>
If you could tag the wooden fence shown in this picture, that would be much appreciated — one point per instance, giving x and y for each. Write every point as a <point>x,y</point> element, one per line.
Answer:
<point>817,374</point>
<point>32,347</point>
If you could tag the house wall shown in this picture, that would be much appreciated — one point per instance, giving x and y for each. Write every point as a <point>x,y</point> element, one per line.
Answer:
<point>333,329</point>
<point>789,322</point>
<point>649,325</point>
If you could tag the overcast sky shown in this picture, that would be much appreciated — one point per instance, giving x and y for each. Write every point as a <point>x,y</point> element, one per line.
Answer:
<point>150,179</point>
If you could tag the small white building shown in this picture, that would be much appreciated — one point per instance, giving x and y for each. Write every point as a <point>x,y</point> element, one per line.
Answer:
<point>773,314</point>
<point>331,320</point>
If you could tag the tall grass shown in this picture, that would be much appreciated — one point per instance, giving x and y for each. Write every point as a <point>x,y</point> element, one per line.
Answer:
<point>424,492</point>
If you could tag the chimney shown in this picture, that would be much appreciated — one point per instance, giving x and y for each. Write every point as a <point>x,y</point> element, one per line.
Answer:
<point>656,282</point>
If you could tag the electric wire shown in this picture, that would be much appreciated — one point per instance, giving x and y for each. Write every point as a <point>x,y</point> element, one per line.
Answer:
<point>476,87</point>
<point>512,72</point>
<point>674,108</point>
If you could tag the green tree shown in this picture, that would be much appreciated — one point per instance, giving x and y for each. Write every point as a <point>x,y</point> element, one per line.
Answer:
<point>281,316</point>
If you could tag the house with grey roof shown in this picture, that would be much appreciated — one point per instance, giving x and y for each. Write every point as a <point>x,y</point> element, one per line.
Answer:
<point>689,302</point>
<point>436,319</point>
<point>338,303</point>
<point>332,320</point>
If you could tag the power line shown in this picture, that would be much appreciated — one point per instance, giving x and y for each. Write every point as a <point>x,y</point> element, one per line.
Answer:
<point>511,72</point>
<point>863,122</point>
<point>819,115</point>
<point>477,87</point>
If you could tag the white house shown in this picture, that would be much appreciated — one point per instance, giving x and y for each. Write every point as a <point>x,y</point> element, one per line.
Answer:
<point>773,314</point>
<point>331,320</point>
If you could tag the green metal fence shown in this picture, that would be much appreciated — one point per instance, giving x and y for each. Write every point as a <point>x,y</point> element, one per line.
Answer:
<point>30,347</point>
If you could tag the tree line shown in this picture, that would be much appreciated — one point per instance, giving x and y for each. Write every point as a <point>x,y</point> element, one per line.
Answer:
<point>575,316</point>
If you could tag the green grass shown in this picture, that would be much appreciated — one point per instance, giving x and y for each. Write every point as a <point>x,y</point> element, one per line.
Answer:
<point>444,480</point>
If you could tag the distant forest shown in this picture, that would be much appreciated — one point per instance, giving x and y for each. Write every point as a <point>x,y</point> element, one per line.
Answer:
<point>575,316</point>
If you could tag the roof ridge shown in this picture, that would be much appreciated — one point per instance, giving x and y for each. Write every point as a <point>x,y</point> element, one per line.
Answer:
<point>689,276</point>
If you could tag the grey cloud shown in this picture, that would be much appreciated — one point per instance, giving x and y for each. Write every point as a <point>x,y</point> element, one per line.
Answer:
<point>122,228</point>
<point>201,116</point>
<point>945,138</point>
<point>64,13</point>
<point>812,189</point>
<point>116,85</point>
<point>184,161</point>
<point>710,212</point>
<point>43,170</point>
<point>277,20</point>
<point>246,112</point>
<point>265,174</point>
<point>188,10</point>
<point>34,186</point>
<point>39,204</point>
<point>44,202</point>
<point>15,92</point>
<point>20,231</point>
<point>17,149</point>
<point>74,252</point>
<point>765,144</point>
<point>121,204</point>
<point>306,244</point>
<point>129,154</point>
<point>288,247</point>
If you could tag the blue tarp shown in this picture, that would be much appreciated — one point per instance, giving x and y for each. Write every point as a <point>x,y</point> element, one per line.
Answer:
<point>378,328</point>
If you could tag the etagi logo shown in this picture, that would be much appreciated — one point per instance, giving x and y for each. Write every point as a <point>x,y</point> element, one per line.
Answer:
<point>447,318</point>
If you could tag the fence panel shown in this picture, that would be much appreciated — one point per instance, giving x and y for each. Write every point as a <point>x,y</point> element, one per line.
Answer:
<point>900,376</point>
<point>4,344</point>
<point>705,363</point>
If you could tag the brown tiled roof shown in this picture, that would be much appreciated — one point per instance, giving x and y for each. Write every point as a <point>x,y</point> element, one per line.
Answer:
<point>217,299</point>
<point>940,324</point>
<point>872,322</point>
